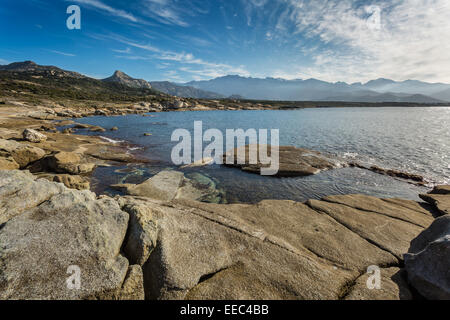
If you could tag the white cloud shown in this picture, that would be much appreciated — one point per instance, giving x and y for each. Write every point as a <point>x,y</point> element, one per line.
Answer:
<point>63,53</point>
<point>127,50</point>
<point>205,69</point>
<point>102,6</point>
<point>412,41</point>
<point>164,11</point>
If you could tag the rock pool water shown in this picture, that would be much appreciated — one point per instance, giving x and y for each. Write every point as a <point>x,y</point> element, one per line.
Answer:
<point>415,140</point>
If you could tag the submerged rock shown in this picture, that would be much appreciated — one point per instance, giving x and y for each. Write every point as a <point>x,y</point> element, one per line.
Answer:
<point>170,185</point>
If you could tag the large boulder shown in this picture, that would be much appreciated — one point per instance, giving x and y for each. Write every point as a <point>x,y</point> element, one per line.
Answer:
<point>69,162</point>
<point>293,162</point>
<point>47,244</point>
<point>428,260</point>
<point>34,136</point>
<point>20,192</point>
<point>22,154</point>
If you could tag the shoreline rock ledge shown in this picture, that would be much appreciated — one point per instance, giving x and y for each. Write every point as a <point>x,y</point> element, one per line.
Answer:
<point>135,247</point>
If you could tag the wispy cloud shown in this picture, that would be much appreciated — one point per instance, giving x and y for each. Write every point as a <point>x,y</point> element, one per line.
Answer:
<point>411,41</point>
<point>164,11</point>
<point>127,50</point>
<point>63,53</point>
<point>205,69</point>
<point>97,4</point>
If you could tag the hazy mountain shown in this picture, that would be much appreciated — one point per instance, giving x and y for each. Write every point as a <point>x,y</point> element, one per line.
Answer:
<point>184,91</point>
<point>126,80</point>
<point>50,80</point>
<point>380,90</point>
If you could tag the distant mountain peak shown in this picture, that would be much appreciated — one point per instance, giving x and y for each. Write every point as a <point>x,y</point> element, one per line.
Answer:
<point>124,79</point>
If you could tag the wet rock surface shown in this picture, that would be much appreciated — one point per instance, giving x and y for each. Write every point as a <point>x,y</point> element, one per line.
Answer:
<point>293,162</point>
<point>170,185</point>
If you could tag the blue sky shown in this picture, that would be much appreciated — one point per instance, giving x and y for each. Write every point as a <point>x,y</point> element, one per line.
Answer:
<point>183,40</point>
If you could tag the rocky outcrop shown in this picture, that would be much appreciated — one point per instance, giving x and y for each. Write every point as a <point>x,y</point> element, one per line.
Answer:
<point>34,136</point>
<point>439,200</point>
<point>49,235</point>
<point>69,162</point>
<point>293,162</point>
<point>70,181</point>
<point>174,248</point>
<point>22,154</point>
<point>170,185</point>
<point>417,179</point>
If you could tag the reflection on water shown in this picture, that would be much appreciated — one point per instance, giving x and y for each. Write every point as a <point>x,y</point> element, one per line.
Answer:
<point>415,140</point>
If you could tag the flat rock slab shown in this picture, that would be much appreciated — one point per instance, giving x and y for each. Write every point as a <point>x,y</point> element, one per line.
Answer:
<point>445,189</point>
<point>440,201</point>
<point>389,233</point>
<point>393,286</point>
<point>270,250</point>
<point>409,212</point>
<point>293,162</point>
<point>55,231</point>
<point>195,252</point>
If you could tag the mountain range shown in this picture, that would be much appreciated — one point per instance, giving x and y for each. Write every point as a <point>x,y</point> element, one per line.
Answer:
<point>237,87</point>
<point>380,90</point>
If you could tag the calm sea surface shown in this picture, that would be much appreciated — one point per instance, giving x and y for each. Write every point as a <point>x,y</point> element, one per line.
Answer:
<point>415,140</point>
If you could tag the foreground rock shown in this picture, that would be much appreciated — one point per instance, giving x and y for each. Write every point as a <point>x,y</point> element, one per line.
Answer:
<point>64,230</point>
<point>34,136</point>
<point>181,249</point>
<point>271,250</point>
<point>69,162</point>
<point>428,260</point>
<point>293,162</point>
<point>70,181</point>
<point>170,185</point>
<point>22,154</point>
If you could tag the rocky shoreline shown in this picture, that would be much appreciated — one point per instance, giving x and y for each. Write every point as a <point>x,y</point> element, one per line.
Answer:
<point>136,247</point>
<point>157,243</point>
